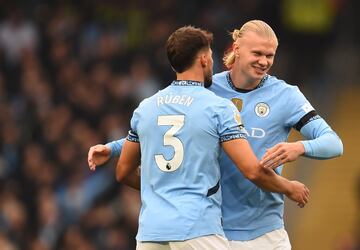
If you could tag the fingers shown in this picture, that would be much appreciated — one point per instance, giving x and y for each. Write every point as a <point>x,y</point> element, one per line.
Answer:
<point>92,166</point>
<point>91,162</point>
<point>271,150</point>
<point>302,203</point>
<point>307,194</point>
<point>272,157</point>
<point>305,198</point>
<point>91,153</point>
<point>273,161</point>
<point>274,148</point>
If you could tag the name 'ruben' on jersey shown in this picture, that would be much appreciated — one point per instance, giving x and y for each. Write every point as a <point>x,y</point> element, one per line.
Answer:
<point>180,129</point>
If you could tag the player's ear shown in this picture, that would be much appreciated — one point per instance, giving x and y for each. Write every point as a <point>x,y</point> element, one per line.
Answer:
<point>235,48</point>
<point>203,60</point>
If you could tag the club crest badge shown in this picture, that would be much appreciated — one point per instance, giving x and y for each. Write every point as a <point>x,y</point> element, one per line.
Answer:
<point>238,103</point>
<point>262,109</point>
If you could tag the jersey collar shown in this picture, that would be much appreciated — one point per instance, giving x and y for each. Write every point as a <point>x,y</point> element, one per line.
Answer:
<point>231,84</point>
<point>187,83</point>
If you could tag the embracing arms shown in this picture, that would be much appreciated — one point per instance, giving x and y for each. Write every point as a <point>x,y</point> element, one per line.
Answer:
<point>322,143</point>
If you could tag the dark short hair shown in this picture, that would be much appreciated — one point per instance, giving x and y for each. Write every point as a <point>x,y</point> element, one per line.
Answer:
<point>184,44</point>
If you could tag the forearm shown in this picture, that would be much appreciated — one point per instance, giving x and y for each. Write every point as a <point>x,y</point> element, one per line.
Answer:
<point>128,162</point>
<point>241,154</point>
<point>323,142</point>
<point>115,147</point>
<point>267,179</point>
<point>133,180</point>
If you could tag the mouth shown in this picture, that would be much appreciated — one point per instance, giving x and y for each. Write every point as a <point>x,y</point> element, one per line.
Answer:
<point>260,70</point>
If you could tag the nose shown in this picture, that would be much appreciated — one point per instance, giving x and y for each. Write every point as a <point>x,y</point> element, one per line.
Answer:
<point>262,60</point>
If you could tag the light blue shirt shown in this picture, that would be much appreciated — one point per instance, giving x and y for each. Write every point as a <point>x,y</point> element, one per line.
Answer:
<point>180,130</point>
<point>268,112</point>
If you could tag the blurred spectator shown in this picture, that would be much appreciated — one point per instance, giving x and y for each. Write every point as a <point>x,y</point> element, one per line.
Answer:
<point>17,36</point>
<point>5,243</point>
<point>143,81</point>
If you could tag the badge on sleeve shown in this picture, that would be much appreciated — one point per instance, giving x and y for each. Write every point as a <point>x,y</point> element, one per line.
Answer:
<point>307,107</point>
<point>238,103</point>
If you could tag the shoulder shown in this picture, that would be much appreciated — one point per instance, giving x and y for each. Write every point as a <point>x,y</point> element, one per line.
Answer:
<point>211,101</point>
<point>282,85</point>
<point>290,95</point>
<point>222,104</point>
<point>154,96</point>
<point>144,103</point>
<point>147,102</point>
<point>220,78</point>
<point>215,99</point>
<point>220,75</point>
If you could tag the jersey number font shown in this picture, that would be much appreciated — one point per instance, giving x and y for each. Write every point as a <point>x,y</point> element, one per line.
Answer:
<point>177,122</point>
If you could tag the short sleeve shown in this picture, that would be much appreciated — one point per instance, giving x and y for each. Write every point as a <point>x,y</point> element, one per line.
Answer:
<point>300,111</point>
<point>133,132</point>
<point>230,125</point>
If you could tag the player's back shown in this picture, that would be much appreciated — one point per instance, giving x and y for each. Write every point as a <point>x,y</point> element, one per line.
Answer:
<point>180,129</point>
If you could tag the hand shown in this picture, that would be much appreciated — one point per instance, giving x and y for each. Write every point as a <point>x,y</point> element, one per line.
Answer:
<point>298,193</point>
<point>98,155</point>
<point>282,153</point>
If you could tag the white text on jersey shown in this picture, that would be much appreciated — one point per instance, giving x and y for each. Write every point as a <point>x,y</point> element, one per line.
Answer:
<point>175,99</point>
<point>255,132</point>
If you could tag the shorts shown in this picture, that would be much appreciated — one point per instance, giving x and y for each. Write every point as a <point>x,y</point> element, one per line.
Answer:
<point>209,242</point>
<point>274,240</point>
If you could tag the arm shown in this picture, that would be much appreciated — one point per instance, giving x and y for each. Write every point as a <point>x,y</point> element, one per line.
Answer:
<point>248,164</point>
<point>100,154</point>
<point>115,147</point>
<point>133,179</point>
<point>322,143</point>
<point>127,166</point>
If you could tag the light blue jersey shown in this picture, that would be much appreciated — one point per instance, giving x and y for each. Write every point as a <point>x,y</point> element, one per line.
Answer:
<point>180,130</point>
<point>269,112</point>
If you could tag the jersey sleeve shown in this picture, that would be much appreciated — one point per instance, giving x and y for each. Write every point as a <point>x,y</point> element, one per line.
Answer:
<point>323,142</point>
<point>115,147</point>
<point>230,125</point>
<point>300,111</point>
<point>132,134</point>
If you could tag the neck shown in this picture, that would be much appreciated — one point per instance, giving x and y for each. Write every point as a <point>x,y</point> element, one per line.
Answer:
<point>240,81</point>
<point>191,75</point>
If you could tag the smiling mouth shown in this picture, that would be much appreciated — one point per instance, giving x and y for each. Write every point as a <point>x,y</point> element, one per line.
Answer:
<point>260,70</point>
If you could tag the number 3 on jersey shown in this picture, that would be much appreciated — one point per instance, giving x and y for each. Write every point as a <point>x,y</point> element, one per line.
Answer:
<point>177,122</point>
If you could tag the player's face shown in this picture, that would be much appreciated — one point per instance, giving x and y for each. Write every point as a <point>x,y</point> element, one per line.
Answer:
<point>255,56</point>
<point>208,69</point>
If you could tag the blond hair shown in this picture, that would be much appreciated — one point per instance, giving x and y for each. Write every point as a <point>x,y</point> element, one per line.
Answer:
<point>259,27</point>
